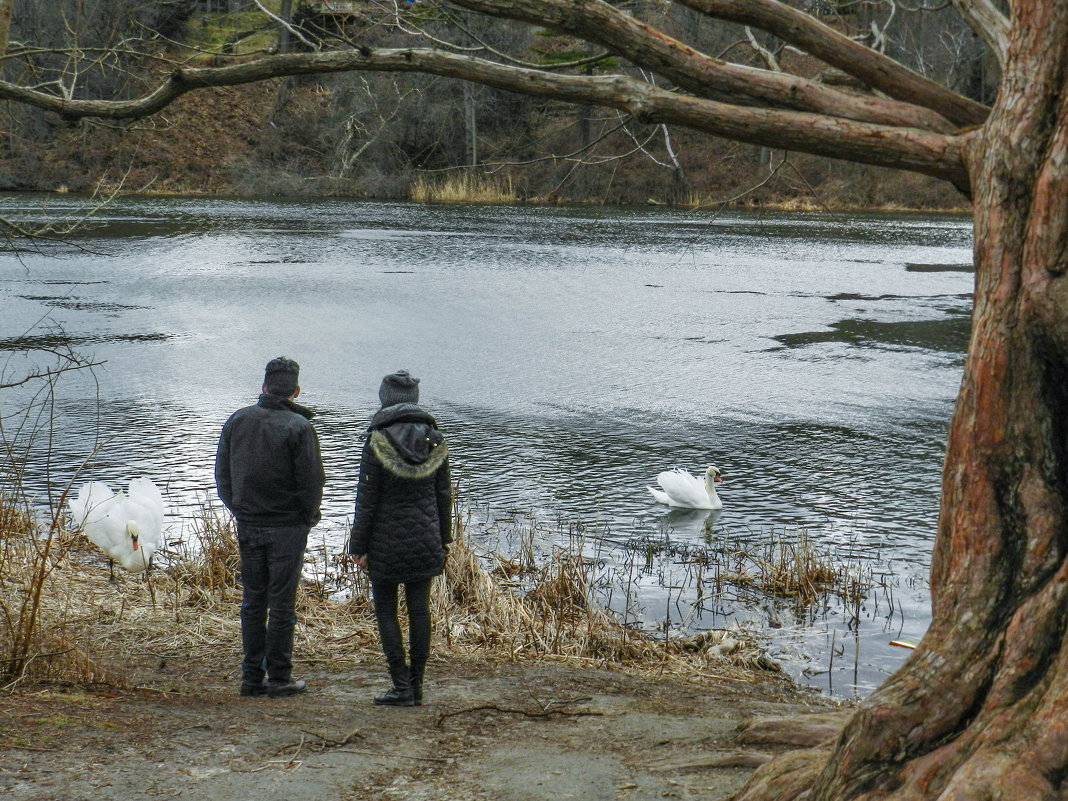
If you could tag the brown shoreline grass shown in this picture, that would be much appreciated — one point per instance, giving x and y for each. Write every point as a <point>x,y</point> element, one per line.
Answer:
<point>88,628</point>
<point>477,191</point>
<point>462,188</point>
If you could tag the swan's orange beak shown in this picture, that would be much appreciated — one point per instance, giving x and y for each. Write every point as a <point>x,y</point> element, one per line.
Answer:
<point>133,538</point>
<point>719,479</point>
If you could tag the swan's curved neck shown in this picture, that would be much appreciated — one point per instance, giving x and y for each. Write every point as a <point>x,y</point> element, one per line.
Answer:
<point>710,486</point>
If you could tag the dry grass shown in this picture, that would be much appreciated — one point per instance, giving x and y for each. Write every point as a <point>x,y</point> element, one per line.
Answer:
<point>41,618</point>
<point>208,563</point>
<point>796,570</point>
<point>462,188</point>
<point>89,628</point>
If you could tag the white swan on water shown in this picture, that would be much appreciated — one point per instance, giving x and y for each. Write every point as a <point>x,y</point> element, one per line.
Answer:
<point>128,528</point>
<point>680,489</point>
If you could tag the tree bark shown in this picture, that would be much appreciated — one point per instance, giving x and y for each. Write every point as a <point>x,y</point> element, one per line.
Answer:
<point>284,35</point>
<point>980,711</point>
<point>988,23</point>
<point>470,125</point>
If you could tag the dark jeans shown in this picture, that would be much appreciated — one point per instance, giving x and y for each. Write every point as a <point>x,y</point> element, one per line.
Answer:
<point>417,597</point>
<point>271,562</point>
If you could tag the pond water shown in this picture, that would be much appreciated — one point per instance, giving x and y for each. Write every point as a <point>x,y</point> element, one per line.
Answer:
<point>570,355</point>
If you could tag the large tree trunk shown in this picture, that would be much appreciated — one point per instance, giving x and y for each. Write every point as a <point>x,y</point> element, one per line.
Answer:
<point>980,711</point>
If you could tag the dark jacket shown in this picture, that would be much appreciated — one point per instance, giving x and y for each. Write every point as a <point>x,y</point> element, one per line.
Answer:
<point>268,468</point>
<point>403,520</point>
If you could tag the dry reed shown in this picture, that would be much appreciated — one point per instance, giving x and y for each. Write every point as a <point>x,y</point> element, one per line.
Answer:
<point>187,608</point>
<point>462,188</point>
<point>41,631</point>
<point>796,570</point>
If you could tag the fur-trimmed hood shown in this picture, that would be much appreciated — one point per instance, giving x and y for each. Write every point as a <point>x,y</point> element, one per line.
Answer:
<point>410,450</point>
<point>406,440</point>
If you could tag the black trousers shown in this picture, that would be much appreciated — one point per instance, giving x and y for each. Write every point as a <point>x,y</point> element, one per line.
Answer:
<point>271,562</point>
<point>417,598</point>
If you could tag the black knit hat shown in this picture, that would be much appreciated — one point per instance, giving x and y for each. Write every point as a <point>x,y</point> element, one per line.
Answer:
<point>281,376</point>
<point>399,387</point>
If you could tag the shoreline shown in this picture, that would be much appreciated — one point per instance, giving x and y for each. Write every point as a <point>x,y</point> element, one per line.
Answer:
<point>508,731</point>
<point>131,690</point>
<point>786,206</point>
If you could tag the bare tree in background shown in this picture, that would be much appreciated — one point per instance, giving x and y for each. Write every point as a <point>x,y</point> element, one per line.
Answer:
<point>979,710</point>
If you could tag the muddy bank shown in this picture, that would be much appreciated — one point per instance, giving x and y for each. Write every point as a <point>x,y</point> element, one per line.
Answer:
<point>513,731</point>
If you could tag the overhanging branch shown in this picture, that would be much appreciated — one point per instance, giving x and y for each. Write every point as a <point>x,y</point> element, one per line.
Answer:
<point>902,148</point>
<point>705,76</point>
<point>873,68</point>
<point>988,22</point>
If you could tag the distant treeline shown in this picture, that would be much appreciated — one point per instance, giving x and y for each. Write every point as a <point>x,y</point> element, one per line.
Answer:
<point>389,135</point>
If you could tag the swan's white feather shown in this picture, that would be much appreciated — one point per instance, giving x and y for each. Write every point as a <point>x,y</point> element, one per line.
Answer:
<point>145,502</point>
<point>97,511</point>
<point>106,519</point>
<point>659,495</point>
<point>683,490</point>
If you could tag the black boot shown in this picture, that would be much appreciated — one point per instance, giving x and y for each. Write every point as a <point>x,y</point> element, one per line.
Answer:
<point>417,683</point>
<point>396,696</point>
<point>400,694</point>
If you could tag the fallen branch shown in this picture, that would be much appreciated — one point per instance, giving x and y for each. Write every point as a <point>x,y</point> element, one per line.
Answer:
<point>324,743</point>
<point>29,748</point>
<point>328,742</point>
<point>542,713</point>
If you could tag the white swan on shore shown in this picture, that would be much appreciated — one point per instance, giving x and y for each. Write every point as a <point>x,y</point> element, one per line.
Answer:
<point>128,528</point>
<point>680,489</point>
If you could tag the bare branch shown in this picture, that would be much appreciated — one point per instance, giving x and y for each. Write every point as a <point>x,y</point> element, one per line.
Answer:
<point>48,374</point>
<point>769,59</point>
<point>574,156</point>
<point>988,22</point>
<point>484,47</point>
<point>837,50</point>
<point>599,22</point>
<point>355,127</point>
<point>286,25</point>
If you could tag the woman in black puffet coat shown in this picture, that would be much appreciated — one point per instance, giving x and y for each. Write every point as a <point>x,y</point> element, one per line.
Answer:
<point>402,526</point>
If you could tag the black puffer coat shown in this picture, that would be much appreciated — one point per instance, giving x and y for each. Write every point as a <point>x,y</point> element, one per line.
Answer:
<point>403,520</point>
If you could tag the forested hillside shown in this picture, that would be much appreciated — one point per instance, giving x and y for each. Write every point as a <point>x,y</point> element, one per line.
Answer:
<point>423,137</point>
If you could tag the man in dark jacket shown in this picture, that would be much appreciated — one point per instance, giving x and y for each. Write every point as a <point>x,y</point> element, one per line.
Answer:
<point>270,476</point>
<point>402,526</point>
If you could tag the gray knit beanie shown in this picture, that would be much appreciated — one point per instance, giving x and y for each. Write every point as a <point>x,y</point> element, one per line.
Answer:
<point>281,376</point>
<point>399,387</point>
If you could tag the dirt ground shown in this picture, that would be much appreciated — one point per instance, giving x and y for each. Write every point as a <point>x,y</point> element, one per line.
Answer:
<point>515,731</point>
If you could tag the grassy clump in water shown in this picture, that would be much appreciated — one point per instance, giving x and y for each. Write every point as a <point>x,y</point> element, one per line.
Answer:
<point>462,188</point>
<point>798,571</point>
